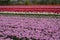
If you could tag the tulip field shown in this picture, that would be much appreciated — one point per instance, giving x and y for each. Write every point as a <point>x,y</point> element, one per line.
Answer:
<point>17,27</point>
<point>29,20</point>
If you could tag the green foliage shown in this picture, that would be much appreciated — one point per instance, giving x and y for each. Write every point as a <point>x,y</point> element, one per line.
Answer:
<point>27,2</point>
<point>4,2</point>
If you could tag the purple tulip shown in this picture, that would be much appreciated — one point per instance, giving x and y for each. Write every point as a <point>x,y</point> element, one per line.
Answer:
<point>42,28</point>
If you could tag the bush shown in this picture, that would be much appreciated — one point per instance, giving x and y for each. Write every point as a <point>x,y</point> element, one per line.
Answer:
<point>27,2</point>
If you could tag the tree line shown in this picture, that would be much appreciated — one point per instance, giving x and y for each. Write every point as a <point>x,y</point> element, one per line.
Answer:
<point>27,2</point>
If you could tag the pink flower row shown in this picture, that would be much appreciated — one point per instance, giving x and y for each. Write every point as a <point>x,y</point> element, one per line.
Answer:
<point>40,28</point>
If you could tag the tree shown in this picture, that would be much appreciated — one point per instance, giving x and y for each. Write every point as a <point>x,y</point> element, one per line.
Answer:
<point>4,2</point>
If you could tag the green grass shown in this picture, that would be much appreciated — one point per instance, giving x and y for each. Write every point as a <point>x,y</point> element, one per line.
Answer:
<point>31,15</point>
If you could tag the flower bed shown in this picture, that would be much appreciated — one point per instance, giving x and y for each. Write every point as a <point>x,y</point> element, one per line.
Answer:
<point>34,28</point>
<point>30,8</point>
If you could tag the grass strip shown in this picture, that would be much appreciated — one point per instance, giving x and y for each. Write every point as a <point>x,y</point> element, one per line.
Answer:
<point>31,15</point>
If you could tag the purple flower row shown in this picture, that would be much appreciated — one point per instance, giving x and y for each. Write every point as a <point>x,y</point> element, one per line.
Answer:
<point>38,28</point>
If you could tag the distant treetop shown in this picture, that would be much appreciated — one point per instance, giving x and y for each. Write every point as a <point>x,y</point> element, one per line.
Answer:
<point>29,2</point>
